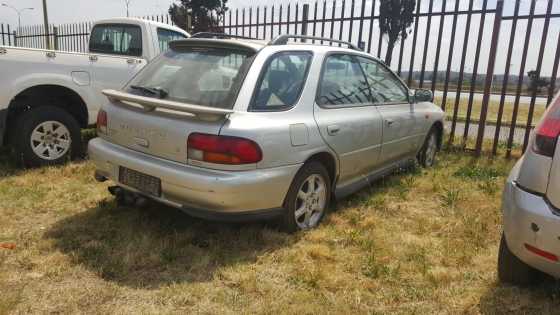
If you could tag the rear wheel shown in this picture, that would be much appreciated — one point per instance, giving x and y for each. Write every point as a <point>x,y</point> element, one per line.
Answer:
<point>511,269</point>
<point>427,156</point>
<point>308,198</point>
<point>47,135</point>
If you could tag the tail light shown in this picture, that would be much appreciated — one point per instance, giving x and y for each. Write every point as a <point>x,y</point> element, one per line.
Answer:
<point>102,122</point>
<point>223,149</point>
<point>548,130</point>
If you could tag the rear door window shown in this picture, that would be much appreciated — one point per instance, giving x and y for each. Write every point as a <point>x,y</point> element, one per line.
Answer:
<point>166,36</point>
<point>282,80</point>
<point>343,83</point>
<point>113,39</point>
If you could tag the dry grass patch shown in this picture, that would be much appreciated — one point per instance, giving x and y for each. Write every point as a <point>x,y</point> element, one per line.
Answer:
<point>419,241</point>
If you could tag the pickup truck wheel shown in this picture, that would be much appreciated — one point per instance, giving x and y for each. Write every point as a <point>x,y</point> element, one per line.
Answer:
<point>48,136</point>
<point>512,270</point>
<point>308,198</point>
<point>427,155</point>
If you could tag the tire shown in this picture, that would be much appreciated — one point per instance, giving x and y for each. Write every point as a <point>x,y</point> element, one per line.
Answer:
<point>428,153</point>
<point>512,270</point>
<point>315,206</point>
<point>63,140</point>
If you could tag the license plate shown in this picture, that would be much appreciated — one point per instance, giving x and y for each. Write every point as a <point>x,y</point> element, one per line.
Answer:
<point>144,183</point>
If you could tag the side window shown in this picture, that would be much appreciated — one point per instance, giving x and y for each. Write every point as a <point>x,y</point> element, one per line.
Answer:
<point>116,40</point>
<point>282,81</point>
<point>166,36</point>
<point>385,86</point>
<point>343,82</point>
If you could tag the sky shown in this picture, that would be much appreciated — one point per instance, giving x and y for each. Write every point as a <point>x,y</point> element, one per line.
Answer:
<point>66,11</point>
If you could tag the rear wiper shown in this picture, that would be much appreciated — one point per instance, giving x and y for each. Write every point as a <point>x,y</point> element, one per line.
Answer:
<point>155,91</point>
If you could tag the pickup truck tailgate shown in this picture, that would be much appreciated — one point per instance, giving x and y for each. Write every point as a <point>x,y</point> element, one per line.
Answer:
<point>158,133</point>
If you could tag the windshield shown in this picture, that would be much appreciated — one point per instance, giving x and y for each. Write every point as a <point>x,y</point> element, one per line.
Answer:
<point>200,76</point>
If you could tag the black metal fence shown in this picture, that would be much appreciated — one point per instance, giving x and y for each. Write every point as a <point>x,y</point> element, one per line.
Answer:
<point>65,37</point>
<point>474,55</point>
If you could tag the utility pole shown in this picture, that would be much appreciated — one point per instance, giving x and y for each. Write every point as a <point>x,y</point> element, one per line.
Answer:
<point>127,2</point>
<point>46,21</point>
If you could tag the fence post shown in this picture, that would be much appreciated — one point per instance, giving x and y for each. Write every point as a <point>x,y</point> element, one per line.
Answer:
<point>304,19</point>
<point>55,37</point>
<point>9,36</point>
<point>15,38</point>
<point>489,75</point>
<point>189,22</point>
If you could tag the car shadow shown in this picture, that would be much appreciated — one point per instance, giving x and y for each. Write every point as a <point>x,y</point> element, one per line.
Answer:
<point>159,245</point>
<point>541,298</point>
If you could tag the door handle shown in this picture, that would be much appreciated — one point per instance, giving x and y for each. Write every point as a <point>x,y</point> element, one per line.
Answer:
<point>390,122</point>
<point>3,51</point>
<point>132,61</point>
<point>93,58</point>
<point>333,130</point>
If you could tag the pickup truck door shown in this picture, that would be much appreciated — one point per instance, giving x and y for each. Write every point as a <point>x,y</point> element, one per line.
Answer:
<point>115,55</point>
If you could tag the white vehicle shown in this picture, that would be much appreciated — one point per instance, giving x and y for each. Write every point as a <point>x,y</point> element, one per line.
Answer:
<point>531,207</point>
<point>47,96</point>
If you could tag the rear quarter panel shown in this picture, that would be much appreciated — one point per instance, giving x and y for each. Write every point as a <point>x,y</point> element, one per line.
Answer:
<point>286,137</point>
<point>24,68</point>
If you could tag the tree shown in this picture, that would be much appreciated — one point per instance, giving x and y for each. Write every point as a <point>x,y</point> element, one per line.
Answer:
<point>206,14</point>
<point>536,83</point>
<point>395,17</point>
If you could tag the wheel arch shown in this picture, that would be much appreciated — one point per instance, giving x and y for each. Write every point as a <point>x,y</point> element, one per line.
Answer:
<point>329,161</point>
<point>47,94</point>
<point>53,95</point>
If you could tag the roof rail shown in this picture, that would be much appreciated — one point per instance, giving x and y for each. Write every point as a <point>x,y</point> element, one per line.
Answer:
<point>219,36</point>
<point>283,40</point>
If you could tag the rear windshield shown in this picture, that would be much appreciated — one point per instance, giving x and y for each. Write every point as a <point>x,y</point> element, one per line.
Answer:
<point>200,76</point>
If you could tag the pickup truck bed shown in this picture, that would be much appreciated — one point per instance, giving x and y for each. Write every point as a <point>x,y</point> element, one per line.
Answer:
<point>69,84</point>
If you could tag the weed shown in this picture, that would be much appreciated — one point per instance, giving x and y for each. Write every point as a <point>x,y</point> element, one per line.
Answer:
<point>450,197</point>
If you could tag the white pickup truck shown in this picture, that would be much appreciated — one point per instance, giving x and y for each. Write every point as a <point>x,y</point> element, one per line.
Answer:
<point>47,96</point>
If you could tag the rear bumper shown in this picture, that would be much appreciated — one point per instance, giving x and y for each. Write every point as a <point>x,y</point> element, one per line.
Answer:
<point>198,191</point>
<point>530,220</point>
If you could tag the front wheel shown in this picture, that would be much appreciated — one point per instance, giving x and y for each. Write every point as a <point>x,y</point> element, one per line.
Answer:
<point>48,136</point>
<point>427,155</point>
<point>308,198</point>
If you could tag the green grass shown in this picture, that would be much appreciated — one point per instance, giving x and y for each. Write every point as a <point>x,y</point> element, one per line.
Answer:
<point>493,109</point>
<point>417,242</point>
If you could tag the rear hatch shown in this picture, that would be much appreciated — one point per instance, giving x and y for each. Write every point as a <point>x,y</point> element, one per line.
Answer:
<point>545,144</point>
<point>191,88</point>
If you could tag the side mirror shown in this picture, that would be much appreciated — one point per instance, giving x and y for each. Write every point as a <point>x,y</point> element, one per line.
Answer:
<point>423,96</point>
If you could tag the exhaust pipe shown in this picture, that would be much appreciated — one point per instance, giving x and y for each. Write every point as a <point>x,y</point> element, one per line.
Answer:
<point>100,178</point>
<point>116,191</point>
<point>127,198</point>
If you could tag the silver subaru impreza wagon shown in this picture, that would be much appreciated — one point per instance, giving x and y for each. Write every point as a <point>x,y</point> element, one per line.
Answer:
<point>232,128</point>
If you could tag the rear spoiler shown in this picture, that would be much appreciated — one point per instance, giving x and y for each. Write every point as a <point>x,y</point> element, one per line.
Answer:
<point>150,104</point>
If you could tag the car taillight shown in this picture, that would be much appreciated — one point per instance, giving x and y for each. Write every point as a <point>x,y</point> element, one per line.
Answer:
<point>222,149</point>
<point>548,130</point>
<point>102,122</point>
